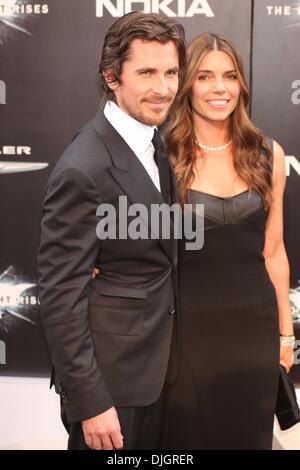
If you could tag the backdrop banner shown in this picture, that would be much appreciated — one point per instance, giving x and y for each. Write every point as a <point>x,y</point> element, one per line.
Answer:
<point>276,110</point>
<point>49,54</point>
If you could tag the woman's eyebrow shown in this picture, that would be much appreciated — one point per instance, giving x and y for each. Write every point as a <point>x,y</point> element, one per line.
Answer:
<point>210,71</point>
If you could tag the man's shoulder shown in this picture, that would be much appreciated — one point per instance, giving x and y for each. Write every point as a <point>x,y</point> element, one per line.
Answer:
<point>86,152</point>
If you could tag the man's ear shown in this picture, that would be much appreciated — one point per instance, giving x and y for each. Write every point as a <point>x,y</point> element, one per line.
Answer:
<point>110,79</point>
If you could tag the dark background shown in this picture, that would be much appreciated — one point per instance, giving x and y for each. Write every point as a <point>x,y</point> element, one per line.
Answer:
<point>50,69</point>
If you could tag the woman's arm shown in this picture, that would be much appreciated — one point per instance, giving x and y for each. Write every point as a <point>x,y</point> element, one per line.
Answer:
<point>275,255</point>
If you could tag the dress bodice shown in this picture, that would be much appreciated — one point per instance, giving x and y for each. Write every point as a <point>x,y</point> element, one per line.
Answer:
<point>226,210</point>
<point>234,235</point>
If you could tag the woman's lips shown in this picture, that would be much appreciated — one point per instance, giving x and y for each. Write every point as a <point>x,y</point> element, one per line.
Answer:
<point>218,104</point>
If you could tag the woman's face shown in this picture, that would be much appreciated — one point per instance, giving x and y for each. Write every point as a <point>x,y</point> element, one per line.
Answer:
<point>215,92</point>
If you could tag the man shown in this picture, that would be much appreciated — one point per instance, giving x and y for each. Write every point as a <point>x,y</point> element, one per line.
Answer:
<point>109,337</point>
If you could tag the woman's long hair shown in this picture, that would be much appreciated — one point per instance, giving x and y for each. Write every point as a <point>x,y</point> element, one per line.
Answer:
<point>248,141</point>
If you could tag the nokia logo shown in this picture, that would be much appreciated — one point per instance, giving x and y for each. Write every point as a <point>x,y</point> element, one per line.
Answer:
<point>291,162</point>
<point>296,94</point>
<point>171,8</point>
<point>2,92</point>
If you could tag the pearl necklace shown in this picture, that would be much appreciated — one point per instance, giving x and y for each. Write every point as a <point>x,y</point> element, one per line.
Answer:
<point>213,149</point>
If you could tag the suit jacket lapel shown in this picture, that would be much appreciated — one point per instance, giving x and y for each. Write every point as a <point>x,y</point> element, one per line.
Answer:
<point>131,176</point>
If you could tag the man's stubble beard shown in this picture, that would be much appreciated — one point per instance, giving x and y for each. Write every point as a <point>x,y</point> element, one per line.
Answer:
<point>153,121</point>
<point>143,117</point>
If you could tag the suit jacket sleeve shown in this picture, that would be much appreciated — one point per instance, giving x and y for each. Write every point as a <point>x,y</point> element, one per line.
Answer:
<point>67,254</point>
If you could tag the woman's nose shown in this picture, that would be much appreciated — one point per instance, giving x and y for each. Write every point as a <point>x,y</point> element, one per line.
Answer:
<point>219,85</point>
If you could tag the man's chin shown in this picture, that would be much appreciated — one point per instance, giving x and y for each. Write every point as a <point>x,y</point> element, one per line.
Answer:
<point>155,120</point>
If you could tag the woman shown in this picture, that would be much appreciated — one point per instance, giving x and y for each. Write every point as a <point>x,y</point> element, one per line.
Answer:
<point>234,292</point>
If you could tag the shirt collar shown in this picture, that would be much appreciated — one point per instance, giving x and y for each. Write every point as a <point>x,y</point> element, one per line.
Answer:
<point>136,134</point>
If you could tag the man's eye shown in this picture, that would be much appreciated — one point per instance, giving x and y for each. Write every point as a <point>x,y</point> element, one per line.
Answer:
<point>145,72</point>
<point>172,72</point>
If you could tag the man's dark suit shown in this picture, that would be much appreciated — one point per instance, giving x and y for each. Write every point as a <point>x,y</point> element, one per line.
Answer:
<point>109,338</point>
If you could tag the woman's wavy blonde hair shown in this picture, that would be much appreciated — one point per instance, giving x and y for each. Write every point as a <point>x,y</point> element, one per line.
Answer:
<point>248,142</point>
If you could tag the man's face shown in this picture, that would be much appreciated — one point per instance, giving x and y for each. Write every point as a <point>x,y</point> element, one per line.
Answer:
<point>149,81</point>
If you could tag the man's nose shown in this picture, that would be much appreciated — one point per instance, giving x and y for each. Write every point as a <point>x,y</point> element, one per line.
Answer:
<point>160,85</point>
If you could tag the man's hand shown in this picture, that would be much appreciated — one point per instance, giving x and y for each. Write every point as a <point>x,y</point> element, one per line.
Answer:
<point>95,273</point>
<point>103,432</point>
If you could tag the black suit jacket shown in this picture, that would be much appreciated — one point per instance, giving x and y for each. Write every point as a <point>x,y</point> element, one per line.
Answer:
<point>109,338</point>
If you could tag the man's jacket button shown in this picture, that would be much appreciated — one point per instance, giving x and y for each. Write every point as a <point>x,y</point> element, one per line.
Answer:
<point>65,399</point>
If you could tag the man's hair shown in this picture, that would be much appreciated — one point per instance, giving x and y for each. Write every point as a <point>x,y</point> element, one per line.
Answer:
<point>136,25</point>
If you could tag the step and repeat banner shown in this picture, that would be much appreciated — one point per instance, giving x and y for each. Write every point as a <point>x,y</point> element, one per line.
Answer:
<point>276,110</point>
<point>49,54</point>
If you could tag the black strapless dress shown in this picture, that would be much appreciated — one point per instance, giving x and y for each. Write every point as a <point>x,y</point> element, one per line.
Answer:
<point>225,393</point>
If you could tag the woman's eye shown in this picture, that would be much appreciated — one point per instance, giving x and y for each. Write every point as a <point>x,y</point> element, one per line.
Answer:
<point>232,76</point>
<point>203,77</point>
